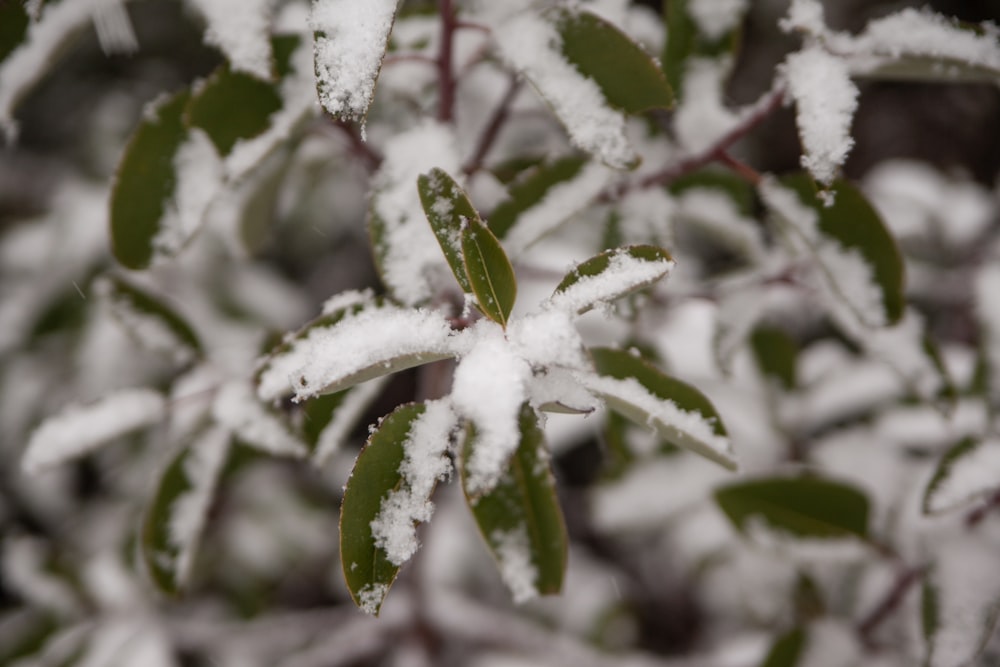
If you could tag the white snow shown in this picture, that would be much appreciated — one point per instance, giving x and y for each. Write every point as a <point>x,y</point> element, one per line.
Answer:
<point>488,389</point>
<point>78,429</point>
<point>199,173</point>
<point>114,28</point>
<point>975,474</point>
<point>624,274</point>
<point>347,414</point>
<point>560,203</point>
<point>412,261</point>
<point>716,212</point>
<point>424,464</point>
<point>237,409</point>
<point>715,18</point>
<point>532,46</point>
<point>242,30</point>
<point>202,467</point>
<point>547,338</point>
<point>370,597</point>
<point>359,347</point>
<point>825,99</point>
<point>702,118</point>
<point>513,552</point>
<point>351,38</point>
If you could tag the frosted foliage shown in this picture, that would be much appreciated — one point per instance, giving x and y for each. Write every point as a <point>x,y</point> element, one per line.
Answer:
<point>912,31</point>
<point>830,643</point>
<point>547,338</point>
<point>967,591</point>
<point>424,464</point>
<point>237,409</point>
<point>351,36</point>
<point>533,47</point>
<point>975,474</point>
<point>202,467</point>
<point>987,287</point>
<point>560,203</point>
<point>825,99</point>
<point>348,413</point>
<point>702,118</point>
<point>411,253</point>
<point>489,388</point>
<point>147,329</point>
<point>353,347</point>
<point>370,597</point>
<point>199,179</point>
<point>78,430</point>
<point>241,30</point>
<point>517,570</point>
<point>715,18</point>
<point>623,274</point>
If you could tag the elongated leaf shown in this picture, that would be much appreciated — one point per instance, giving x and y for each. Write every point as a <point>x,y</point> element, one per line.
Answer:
<point>448,209</point>
<point>807,507</point>
<point>388,493</point>
<point>145,181</point>
<point>530,188</point>
<point>330,418</point>
<point>776,354</point>
<point>359,341</point>
<point>520,518</point>
<point>686,39</point>
<point>679,413</point>
<point>230,106</point>
<point>786,650</point>
<point>489,271</point>
<point>350,39</point>
<point>153,322</point>
<point>629,78</point>
<point>178,512</point>
<point>611,275</point>
<point>853,223</point>
<point>967,471</point>
<point>255,424</point>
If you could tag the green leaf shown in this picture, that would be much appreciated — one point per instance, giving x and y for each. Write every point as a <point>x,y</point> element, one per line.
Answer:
<point>776,354</point>
<point>490,273</point>
<point>145,181</point>
<point>448,210</point>
<point>230,106</point>
<point>786,649</point>
<point>679,413</point>
<point>530,188</point>
<point>611,275</point>
<point>960,459</point>
<point>135,306</point>
<point>520,518</point>
<point>855,225</point>
<point>629,78</point>
<point>329,419</point>
<point>685,41</point>
<point>367,569</point>
<point>178,512</point>
<point>930,615</point>
<point>807,507</point>
<point>725,182</point>
<point>13,26</point>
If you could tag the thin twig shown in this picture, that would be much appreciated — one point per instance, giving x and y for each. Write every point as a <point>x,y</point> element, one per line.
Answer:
<point>889,604</point>
<point>371,157</point>
<point>975,517</point>
<point>492,131</point>
<point>446,77</point>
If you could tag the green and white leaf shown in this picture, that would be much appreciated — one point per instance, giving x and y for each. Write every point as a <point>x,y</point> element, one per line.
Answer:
<point>611,275</point>
<point>490,273</point>
<point>151,321</point>
<point>969,470</point>
<point>178,511</point>
<point>80,429</point>
<point>230,106</point>
<point>237,409</point>
<point>350,39</point>
<point>241,30</point>
<point>352,344</point>
<point>986,288</point>
<point>331,417</point>
<point>803,507</point>
<point>448,210</point>
<point>698,30</point>
<point>678,412</point>
<point>520,517</point>
<point>786,649</point>
<point>389,493</point>
<point>546,197</point>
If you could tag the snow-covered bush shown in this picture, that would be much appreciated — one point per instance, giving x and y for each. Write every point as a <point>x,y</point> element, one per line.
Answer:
<point>716,415</point>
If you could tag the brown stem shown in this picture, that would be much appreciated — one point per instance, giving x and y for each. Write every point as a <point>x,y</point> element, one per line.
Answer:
<point>975,517</point>
<point>446,77</point>
<point>492,131</point>
<point>745,171</point>
<point>371,158</point>
<point>889,604</point>
<point>393,58</point>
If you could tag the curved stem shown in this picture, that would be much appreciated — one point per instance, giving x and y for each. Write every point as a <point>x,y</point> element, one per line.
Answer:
<point>446,75</point>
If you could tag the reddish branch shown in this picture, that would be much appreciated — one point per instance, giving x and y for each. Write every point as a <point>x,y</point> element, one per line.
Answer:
<point>446,75</point>
<point>492,131</point>
<point>359,148</point>
<point>973,518</point>
<point>890,603</point>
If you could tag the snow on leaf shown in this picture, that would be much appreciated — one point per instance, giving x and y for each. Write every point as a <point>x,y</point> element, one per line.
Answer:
<point>969,470</point>
<point>350,41</point>
<point>350,406</point>
<point>199,174</point>
<point>231,105</point>
<point>80,429</point>
<point>611,275</point>
<point>702,118</point>
<point>407,253</point>
<point>677,411</point>
<point>241,29</point>
<point>239,410</point>
<point>356,345</point>
<point>448,210</point>
<point>532,45</point>
<point>178,511</point>
<point>825,99</point>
